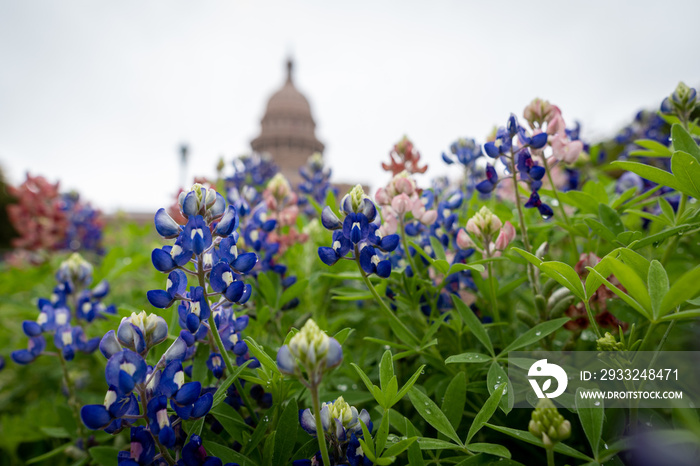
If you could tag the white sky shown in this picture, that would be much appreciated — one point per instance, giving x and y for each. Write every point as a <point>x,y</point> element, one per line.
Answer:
<point>100,94</point>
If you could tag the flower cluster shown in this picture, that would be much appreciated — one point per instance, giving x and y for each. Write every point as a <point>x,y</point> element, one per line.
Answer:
<point>517,156</point>
<point>138,391</point>
<point>341,429</point>
<point>484,226</point>
<point>251,174</point>
<point>404,156</point>
<point>358,234</point>
<point>309,354</point>
<point>282,205</point>
<point>399,198</point>
<point>46,220</point>
<point>208,241</point>
<point>72,301</point>
<point>548,425</point>
<point>545,117</point>
<point>316,184</point>
<point>681,102</point>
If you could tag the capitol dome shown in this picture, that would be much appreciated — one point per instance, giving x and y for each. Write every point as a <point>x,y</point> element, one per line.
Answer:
<point>288,130</point>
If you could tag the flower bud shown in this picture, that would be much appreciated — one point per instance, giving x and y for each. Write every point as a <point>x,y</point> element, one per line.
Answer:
<point>484,223</point>
<point>464,241</point>
<point>609,343</point>
<point>279,187</point>
<point>76,271</point>
<point>537,112</point>
<point>312,350</point>
<point>401,204</point>
<point>506,235</point>
<point>547,424</point>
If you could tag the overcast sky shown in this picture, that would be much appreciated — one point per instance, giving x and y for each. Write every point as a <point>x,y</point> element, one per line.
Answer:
<point>99,94</point>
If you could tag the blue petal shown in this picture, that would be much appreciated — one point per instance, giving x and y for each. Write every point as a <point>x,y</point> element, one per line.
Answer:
<point>384,269</point>
<point>335,353</point>
<point>202,405</point>
<point>188,393</point>
<point>22,356</point>
<point>159,298</point>
<point>329,220</point>
<point>162,260</point>
<point>234,292</point>
<point>190,205</point>
<point>327,255</point>
<point>538,140</point>
<point>95,416</point>
<point>165,225</point>
<point>285,361</point>
<point>307,421</point>
<point>389,243</point>
<point>245,262</point>
<point>109,345</point>
<point>491,149</point>
<point>31,328</point>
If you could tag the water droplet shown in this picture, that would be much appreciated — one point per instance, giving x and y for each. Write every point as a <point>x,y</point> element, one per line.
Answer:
<point>427,411</point>
<point>597,403</point>
<point>426,404</point>
<point>386,347</point>
<point>342,387</point>
<point>537,334</point>
<point>546,217</point>
<point>354,386</point>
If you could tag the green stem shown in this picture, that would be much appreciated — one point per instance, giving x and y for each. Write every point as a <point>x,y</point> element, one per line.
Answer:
<point>494,300</point>
<point>550,456</point>
<point>320,433</point>
<point>388,312</point>
<point>574,246</point>
<point>523,229</point>
<point>220,345</point>
<point>674,241</point>
<point>591,319</point>
<point>404,241</point>
<point>72,401</point>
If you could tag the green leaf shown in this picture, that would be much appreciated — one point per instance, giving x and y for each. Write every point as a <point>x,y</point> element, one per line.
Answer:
<point>399,447</point>
<point>685,288</point>
<point>386,370</point>
<point>536,333</point>
<point>624,296</point>
<point>473,323</point>
<point>229,418</point>
<point>658,237</point>
<point>600,229</point>
<point>531,439</point>
<point>343,335</point>
<point>485,413</point>
<point>55,432</point>
<point>667,210</point>
<point>591,414</point>
<point>267,289</point>
<point>105,456</point>
<point>454,268</point>
<point>262,356</point>
<point>686,169</point>
<point>287,427</point>
<point>566,276</point>
<point>683,315</point>
<point>426,443</point>
<point>632,282</point>
<point>654,147</point>
<point>583,201</point>
<point>437,248</point>
<point>373,389</point>
<point>220,394</point>
<point>258,435</point>
<point>432,414</point>
<point>382,434</point>
<point>407,386</point>
<point>50,454</point>
<point>490,448</point>
<point>657,282</point>
<point>420,251</point>
<point>468,358</point>
<point>496,377</point>
<point>650,173</point>
<point>455,398</point>
<point>593,281</point>
<point>200,372</point>
<point>293,291</point>
<point>226,454</point>
<point>683,141</point>
<point>611,219</point>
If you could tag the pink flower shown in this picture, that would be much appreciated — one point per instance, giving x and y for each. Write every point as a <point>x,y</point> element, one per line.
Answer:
<point>401,204</point>
<point>565,150</point>
<point>382,197</point>
<point>506,235</point>
<point>464,241</point>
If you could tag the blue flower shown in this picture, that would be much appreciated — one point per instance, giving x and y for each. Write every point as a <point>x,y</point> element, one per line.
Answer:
<point>159,422</point>
<point>35,347</point>
<point>174,289</point>
<point>125,370</point>
<point>109,414</point>
<point>142,450</point>
<point>215,363</point>
<point>190,403</point>
<point>371,262</point>
<point>165,225</point>
<point>223,280</point>
<point>491,181</point>
<point>194,454</point>
<point>534,201</point>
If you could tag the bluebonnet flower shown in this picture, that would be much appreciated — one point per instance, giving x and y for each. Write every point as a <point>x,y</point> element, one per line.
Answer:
<point>681,102</point>
<point>316,184</point>
<point>465,150</point>
<point>309,354</point>
<point>356,233</point>
<point>194,454</point>
<point>56,317</point>
<point>85,225</point>
<point>341,428</point>
<point>142,449</point>
<point>518,154</point>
